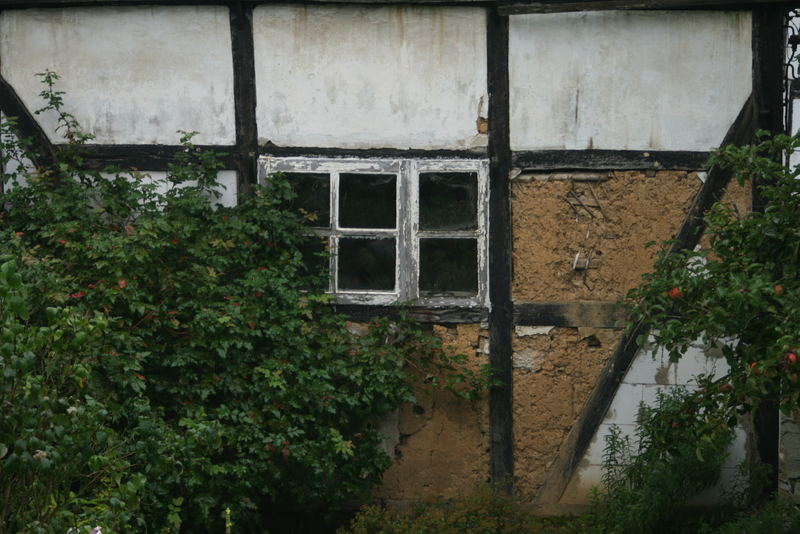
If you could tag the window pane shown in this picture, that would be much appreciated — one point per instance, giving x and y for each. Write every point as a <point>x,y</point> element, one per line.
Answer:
<point>366,263</point>
<point>315,258</point>
<point>367,200</point>
<point>448,266</point>
<point>448,201</point>
<point>313,192</point>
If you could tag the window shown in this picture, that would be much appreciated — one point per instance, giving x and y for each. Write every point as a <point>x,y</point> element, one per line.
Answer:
<point>398,229</point>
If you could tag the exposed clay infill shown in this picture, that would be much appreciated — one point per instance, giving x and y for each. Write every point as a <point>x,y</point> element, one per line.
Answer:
<point>443,448</point>
<point>555,370</point>
<point>585,239</point>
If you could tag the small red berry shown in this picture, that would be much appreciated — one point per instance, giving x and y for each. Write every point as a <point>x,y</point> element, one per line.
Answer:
<point>122,283</point>
<point>675,293</point>
<point>778,290</point>
<point>790,358</point>
<point>62,241</point>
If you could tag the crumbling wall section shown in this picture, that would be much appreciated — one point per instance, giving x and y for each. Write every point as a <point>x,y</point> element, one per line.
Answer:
<point>441,445</point>
<point>555,370</point>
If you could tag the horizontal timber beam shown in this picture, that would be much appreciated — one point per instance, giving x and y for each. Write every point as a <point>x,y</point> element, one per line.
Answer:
<point>569,314</point>
<point>146,157</point>
<point>563,6</point>
<point>363,313</point>
<point>505,7</point>
<point>22,4</point>
<point>552,160</point>
<point>278,151</point>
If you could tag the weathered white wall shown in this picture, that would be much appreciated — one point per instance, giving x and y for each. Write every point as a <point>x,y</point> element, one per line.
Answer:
<point>658,80</point>
<point>226,180</point>
<point>649,373</point>
<point>358,77</point>
<point>131,74</point>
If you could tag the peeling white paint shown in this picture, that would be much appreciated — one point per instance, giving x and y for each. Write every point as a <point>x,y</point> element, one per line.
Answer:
<point>355,77</point>
<point>529,359</point>
<point>656,80</point>
<point>523,331</point>
<point>131,74</point>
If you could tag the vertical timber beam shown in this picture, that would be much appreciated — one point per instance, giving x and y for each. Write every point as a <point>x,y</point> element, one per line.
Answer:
<point>500,251</point>
<point>244,91</point>
<point>769,41</point>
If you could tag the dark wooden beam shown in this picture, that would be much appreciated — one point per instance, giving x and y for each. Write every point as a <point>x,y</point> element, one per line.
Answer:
<point>569,314</point>
<point>244,93</point>
<point>741,133</point>
<point>27,125</point>
<point>562,6</point>
<point>500,253</point>
<point>769,52</point>
<point>23,4</point>
<point>553,160</point>
<point>146,157</point>
<point>583,431</point>
<point>452,315</point>
<point>299,151</point>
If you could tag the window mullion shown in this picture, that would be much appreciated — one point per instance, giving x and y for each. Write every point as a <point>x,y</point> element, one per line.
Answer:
<point>406,267</point>
<point>334,241</point>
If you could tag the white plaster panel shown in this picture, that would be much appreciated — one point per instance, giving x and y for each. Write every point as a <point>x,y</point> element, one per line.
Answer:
<point>625,406</point>
<point>646,377</point>
<point>657,80</point>
<point>647,368</point>
<point>356,77</point>
<point>594,456</point>
<point>226,180</point>
<point>794,157</point>
<point>131,74</point>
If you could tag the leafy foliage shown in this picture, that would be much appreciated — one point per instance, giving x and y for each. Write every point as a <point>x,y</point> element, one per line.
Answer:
<point>485,511</point>
<point>64,464</point>
<point>224,380</point>
<point>740,291</point>
<point>678,451</point>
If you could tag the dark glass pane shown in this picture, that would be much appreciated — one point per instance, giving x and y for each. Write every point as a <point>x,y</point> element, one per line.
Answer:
<point>448,266</point>
<point>367,200</point>
<point>366,263</point>
<point>315,258</point>
<point>448,201</point>
<point>313,192</point>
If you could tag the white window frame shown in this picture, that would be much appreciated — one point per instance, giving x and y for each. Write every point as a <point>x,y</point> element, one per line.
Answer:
<point>406,232</point>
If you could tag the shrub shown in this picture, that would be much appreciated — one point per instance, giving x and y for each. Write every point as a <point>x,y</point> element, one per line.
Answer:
<point>229,381</point>
<point>64,464</point>
<point>679,449</point>
<point>485,511</point>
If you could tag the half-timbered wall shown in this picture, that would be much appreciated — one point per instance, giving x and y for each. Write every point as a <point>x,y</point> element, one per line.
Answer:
<point>596,127</point>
